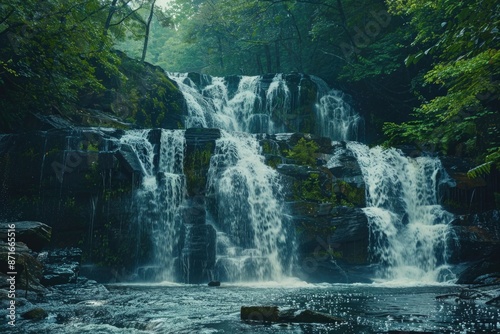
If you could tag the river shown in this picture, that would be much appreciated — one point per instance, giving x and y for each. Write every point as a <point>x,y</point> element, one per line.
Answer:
<point>179,308</point>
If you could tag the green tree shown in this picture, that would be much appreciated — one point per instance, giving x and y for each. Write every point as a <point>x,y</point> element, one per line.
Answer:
<point>461,40</point>
<point>304,152</point>
<point>50,52</point>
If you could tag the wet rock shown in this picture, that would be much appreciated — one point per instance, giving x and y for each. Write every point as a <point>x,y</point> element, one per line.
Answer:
<point>332,243</point>
<point>295,171</point>
<point>129,160</point>
<point>62,266</point>
<point>194,212</point>
<point>214,283</point>
<point>465,195</point>
<point>480,273</point>
<point>28,268</point>
<point>477,242</point>
<point>200,145</point>
<point>308,316</point>
<point>260,313</point>
<point>201,136</point>
<point>198,254</point>
<point>34,234</point>
<point>476,236</point>
<point>273,314</point>
<point>35,314</point>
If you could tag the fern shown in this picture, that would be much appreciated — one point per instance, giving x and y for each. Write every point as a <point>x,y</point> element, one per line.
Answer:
<point>480,170</point>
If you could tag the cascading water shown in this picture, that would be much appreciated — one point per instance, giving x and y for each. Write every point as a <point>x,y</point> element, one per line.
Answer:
<point>161,194</point>
<point>336,118</point>
<point>253,241</point>
<point>262,105</point>
<point>409,229</point>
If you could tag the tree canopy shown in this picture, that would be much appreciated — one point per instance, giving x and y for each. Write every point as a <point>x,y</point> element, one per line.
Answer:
<point>426,72</point>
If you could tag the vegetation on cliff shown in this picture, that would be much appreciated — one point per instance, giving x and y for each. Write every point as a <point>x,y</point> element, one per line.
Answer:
<point>427,73</point>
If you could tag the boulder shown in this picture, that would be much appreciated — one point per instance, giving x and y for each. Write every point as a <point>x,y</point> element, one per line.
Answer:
<point>35,314</point>
<point>34,234</point>
<point>260,313</point>
<point>308,316</point>
<point>27,266</point>
<point>214,283</point>
<point>273,314</point>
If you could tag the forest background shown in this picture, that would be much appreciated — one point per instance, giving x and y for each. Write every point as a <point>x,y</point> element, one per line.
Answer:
<point>421,72</point>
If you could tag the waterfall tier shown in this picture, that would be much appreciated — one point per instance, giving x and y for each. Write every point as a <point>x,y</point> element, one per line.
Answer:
<point>269,104</point>
<point>253,242</point>
<point>410,231</point>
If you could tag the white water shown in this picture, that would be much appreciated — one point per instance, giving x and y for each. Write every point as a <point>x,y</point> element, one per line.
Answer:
<point>336,118</point>
<point>254,106</point>
<point>161,194</point>
<point>252,242</point>
<point>409,229</point>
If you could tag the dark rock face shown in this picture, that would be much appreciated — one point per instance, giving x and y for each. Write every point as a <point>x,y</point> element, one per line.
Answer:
<point>198,254</point>
<point>214,283</point>
<point>35,234</point>
<point>477,242</point>
<point>77,181</point>
<point>200,145</point>
<point>466,195</point>
<point>324,203</point>
<point>476,236</point>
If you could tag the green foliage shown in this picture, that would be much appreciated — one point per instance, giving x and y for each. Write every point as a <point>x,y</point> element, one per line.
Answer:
<point>49,53</point>
<point>196,164</point>
<point>304,152</point>
<point>311,189</point>
<point>461,39</point>
<point>352,196</point>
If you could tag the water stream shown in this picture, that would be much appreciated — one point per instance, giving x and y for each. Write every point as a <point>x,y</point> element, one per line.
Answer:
<point>409,229</point>
<point>257,105</point>
<point>162,193</point>
<point>253,241</point>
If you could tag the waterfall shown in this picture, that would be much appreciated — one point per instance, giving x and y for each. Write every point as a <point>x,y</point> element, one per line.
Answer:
<point>162,192</point>
<point>260,104</point>
<point>409,229</point>
<point>336,117</point>
<point>253,242</point>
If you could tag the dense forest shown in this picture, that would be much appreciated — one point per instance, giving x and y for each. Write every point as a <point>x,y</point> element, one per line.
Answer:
<point>422,73</point>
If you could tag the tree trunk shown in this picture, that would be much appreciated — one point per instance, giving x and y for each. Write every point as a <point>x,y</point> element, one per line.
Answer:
<point>112,10</point>
<point>148,26</point>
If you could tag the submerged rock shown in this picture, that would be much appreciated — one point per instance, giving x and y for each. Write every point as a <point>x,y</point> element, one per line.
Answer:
<point>214,283</point>
<point>35,314</point>
<point>308,316</point>
<point>260,313</point>
<point>273,314</point>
